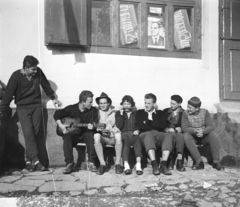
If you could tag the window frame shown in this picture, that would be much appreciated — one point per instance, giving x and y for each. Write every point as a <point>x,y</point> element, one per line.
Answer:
<point>195,52</point>
<point>84,24</point>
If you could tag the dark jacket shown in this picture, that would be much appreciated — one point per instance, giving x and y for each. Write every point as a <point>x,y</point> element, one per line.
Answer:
<point>158,123</point>
<point>87,116</point>
<point>170,123</point>
<point>124,123</point>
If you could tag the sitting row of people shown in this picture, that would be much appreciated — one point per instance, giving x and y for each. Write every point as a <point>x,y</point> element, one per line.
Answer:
<point>149,128</point>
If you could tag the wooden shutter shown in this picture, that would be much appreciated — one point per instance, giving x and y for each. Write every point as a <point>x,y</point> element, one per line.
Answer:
<point>230,49</point>
<point>66,22</point>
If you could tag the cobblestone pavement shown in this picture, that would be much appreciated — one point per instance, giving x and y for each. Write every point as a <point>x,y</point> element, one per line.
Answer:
<point>203,188</point>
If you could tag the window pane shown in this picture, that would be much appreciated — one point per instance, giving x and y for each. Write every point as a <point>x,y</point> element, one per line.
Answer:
<point>101,23</point>
<point>129,25</point>
<point>182,29</point>
<point>156,27</point>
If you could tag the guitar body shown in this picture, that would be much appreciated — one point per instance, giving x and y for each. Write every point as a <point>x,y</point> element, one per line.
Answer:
<point>69,122</point>
<point>74,126</point>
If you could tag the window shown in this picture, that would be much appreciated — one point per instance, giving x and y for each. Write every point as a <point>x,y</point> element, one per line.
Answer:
<point>161,28</point>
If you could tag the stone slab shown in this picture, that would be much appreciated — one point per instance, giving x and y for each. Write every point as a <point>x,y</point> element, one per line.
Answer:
<point>7,187</point>
<point>62,186</point>
<point>34,183</point>
<point>106,180</point>
<point>113,190</point>
<point>91,192</point>
<point>10,179</point>
<point>135,188</point>
<point>52,177</point>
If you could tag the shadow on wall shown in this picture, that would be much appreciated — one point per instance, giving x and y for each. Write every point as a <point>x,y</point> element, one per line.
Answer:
<point>12,152</point>
<point>72,35</point>
<point>71,24</point>
<point>229,134</point>
<point>79,56</point>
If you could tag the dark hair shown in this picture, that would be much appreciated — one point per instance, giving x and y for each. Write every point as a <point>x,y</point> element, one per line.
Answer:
<point>177,98</point>
<point>152,96</point>
<point>160,24</point>
<point>128,99</point>
<point>30,61</point>
<point>84,95</point>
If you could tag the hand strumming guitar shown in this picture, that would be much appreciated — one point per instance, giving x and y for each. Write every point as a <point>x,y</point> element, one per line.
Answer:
<point>63,127</point>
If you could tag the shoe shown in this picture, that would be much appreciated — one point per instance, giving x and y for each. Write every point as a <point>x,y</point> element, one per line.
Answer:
<point>179,166</point>
<point>171,167</point>
<point>217,166</point>
<point>198,166</point>
<point>171,164</point>
<point>92,167</point>
<point>29,167</point>
<point>128,172</point>
<point>156,170</point>
<point>39,167</point>
<point>69,168</point>
<point>118,169</point>
<point>102,169</point>
<point>164,170</point>
<point>139,172</point>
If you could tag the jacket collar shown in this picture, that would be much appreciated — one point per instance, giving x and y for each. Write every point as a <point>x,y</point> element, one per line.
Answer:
<point>180,109</point>
<point>153,111</point>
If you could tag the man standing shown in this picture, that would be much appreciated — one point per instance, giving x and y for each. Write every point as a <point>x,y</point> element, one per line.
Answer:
<point>156,39</point>
<point>174,117</point>
<point>151,124</point>
<point>24,87</point>
<point>197,126</point>
<point>107,116</point>
<point>87,114</point>
<point>126,122</point>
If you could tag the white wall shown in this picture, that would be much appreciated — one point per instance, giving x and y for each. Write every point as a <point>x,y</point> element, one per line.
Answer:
<point>22,33</point>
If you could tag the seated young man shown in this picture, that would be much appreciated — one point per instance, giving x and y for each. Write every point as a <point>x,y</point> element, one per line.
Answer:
<point>151,124</point>
<point>197,126</point>
<point>87,114</point>
<point>107,116</point>
<point>126,122</point>
<point>174,117</point>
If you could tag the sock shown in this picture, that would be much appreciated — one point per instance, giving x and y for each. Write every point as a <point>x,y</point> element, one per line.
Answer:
<point>126,166</point>
<point>179,156</point>
<point>28,162</point>
<point>36,162</point>
<point>138,166</point>
<point>164,163</point>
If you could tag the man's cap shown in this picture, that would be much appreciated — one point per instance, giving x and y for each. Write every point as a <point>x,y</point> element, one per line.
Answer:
<point>103,95</point>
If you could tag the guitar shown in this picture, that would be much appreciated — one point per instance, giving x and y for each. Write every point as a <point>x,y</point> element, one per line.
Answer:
<point>74,126</point>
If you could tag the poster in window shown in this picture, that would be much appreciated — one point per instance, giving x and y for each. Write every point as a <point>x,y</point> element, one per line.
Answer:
<point>129,32</point>
<point>156,28</point>
<point>182,30</point>
<point>101,24</point>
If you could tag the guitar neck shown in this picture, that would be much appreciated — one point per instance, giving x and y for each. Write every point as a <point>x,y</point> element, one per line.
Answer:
<point>79,125</point>
<point>86,125</point>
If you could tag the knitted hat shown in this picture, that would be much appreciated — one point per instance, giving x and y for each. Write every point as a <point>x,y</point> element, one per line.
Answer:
<point>103,95</point>
<point>195,101</point>
<point>177,98</point>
